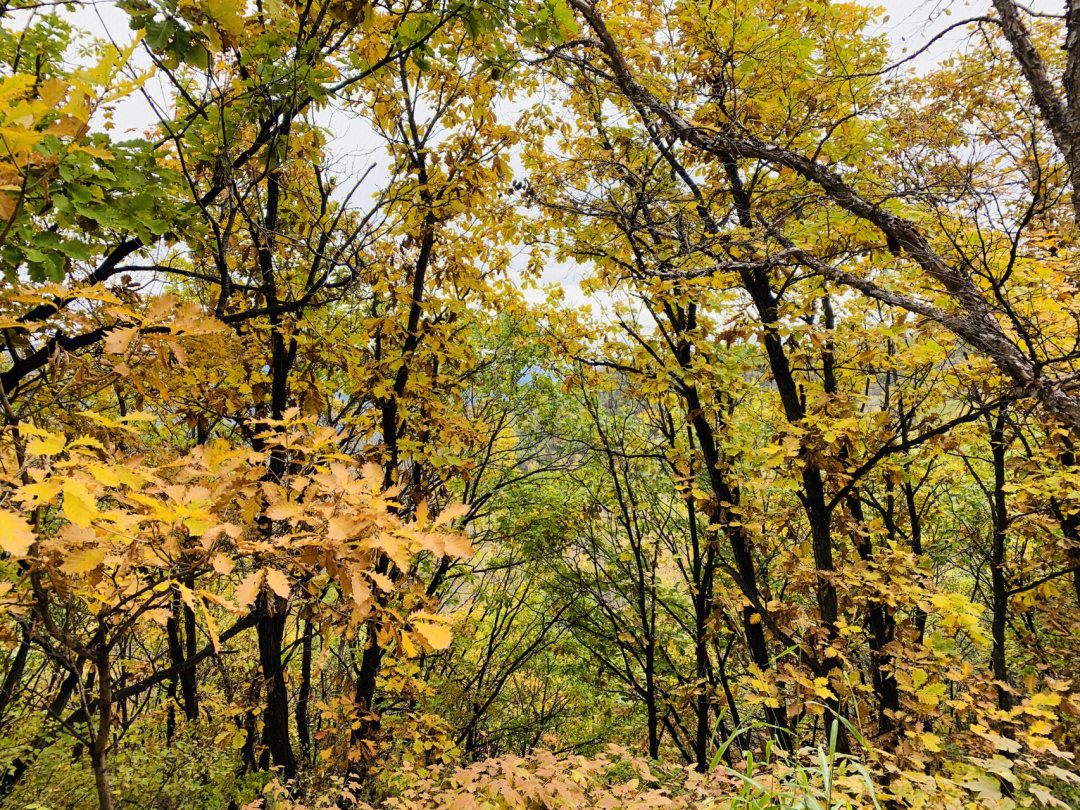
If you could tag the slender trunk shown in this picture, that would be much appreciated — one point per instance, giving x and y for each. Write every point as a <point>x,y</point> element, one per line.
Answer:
<point>729,696</point>
<point>881,623</point>
<point>271,631</point>
<point>1000,587</point>
<point>652,709</point>
<point>701,742</point>
<point>101,780</point>
<point>303,732</point>
<point>701,737</point>
<point>999,583</point>
<point>176,657</point>
<point>100,746</point>
<point>882,627</point>
<point>273,610</point>
<point>364,695</point>
<point>818,514</point>
<point>248,762</point>
<point>188,678</point>
<point>702,565</point>
<point>14,675</point>
<point>753,624</point>
<point>914,518</point>
<point>1070,526</point>
<point>188,681</point>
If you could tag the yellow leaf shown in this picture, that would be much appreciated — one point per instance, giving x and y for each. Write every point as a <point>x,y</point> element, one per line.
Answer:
<point>382,580</point>
<point>278,582</point>
<point>342,527</point>
<point>931,695</point>
<point>44,443</point>
<point>248,590</point>
<point>222,564</point>
<point>83,560</point>
<point>8,205</point>
<point>118,339</point>
<point>16,536</point>
<point>821,688</point>
<point>1047,798</point>
<point>451,513</point>
<point>408,647</point>
<point>227,14</point>
<point>394,549</point>
<point>931,742</point>
<point>283,510</point>
<point>79,505</point>
<point>159,615</point>
<point>43,492</point>
<point>87,441</point>
<point>187,596</point>
<point>361,592</point>
<point>437,636</point>
<point>211,628</point>
<point>104,475</point>
<point>457,545</point>
<point>15,85</point>
<point>96,151</point>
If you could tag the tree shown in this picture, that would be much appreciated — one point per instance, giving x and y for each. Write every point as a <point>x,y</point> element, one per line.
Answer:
<point>311,496</point>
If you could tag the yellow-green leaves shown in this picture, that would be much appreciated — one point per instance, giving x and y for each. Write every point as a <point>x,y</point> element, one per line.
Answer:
<point>228,15</point>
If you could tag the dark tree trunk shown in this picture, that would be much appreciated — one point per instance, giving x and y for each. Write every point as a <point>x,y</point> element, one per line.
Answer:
<point>999,583</point>
<point>271,631</point>
<point>364,696</point>
<point>702,570</point>
<point>14,675</point>
<point>882,627</point>
<point>188,682</point>
<point>303,730</point>
<point>176,657</point>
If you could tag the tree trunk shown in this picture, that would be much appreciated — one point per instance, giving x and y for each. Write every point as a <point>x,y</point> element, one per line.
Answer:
<point>14,675</point>
<point>271,631</point>
<point>303,732</point>
<point>188,682</point>
<point>100,745</point>
<point>364,696</point>
<point>882,627</point>
<point>176,657</point>
<point>1000,587</point>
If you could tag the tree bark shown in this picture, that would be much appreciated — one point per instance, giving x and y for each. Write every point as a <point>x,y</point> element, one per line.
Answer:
<point>271,632</point>
<point>303,696</point>
<point>975,321</point>
<point>999,582</point>
<point>100,746</point>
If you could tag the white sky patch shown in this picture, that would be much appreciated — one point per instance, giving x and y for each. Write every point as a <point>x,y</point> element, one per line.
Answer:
<point>354,148</point>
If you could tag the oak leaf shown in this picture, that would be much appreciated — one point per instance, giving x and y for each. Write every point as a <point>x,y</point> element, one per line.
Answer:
<point>16,536</point>
<point>278,582</point>
<point>248,590</point>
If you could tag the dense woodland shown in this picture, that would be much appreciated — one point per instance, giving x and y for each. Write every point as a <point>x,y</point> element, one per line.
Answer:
<point>314,492</point>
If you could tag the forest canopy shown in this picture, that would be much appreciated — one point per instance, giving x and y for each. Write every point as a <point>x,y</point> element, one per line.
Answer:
<point>317,490</point>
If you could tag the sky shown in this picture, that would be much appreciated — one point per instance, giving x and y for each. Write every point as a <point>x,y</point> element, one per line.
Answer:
<point>908,25</point>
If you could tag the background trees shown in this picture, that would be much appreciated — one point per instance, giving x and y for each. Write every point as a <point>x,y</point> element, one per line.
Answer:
<point>309,499</point>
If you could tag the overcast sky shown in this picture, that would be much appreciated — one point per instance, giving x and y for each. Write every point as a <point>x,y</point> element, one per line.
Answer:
<point>911,24</point>
<point>908,25</point>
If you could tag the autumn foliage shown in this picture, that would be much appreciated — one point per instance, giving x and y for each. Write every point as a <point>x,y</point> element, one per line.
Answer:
<point>319,490</point>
